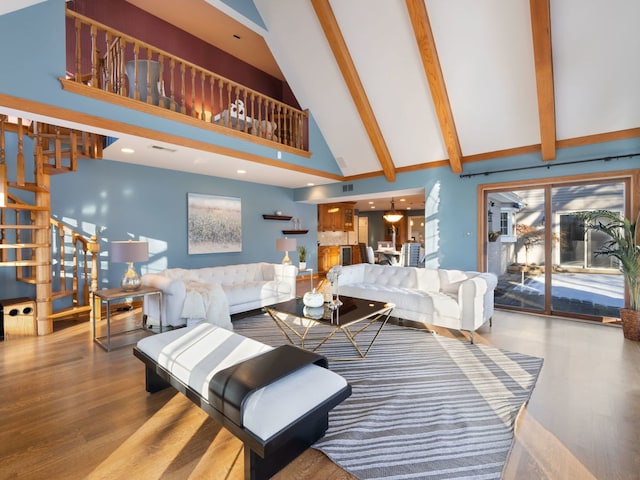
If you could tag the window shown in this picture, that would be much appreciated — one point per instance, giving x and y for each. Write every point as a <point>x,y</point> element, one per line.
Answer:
<point>506,224</point>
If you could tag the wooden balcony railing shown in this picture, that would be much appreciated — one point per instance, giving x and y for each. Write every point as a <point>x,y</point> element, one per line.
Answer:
<point>110,60</point>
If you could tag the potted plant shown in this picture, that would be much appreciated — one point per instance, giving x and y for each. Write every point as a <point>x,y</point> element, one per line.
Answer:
<point>624,244</point>
<point>302,256</point>
<point>493,236</point>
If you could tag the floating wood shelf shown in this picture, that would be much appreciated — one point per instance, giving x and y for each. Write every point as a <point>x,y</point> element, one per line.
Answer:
<point>276,217</point>
<point>295,232</point>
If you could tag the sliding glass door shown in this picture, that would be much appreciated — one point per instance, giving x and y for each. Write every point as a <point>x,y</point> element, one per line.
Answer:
<point>545,260</point>
<point>516,246</point>
<point>584,282</point>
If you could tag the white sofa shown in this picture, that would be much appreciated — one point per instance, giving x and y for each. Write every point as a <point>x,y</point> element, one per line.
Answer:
<point>212,294</point>
<point>455,299</point>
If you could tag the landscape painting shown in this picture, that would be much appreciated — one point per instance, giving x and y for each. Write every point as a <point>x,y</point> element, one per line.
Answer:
<point>214,224</point>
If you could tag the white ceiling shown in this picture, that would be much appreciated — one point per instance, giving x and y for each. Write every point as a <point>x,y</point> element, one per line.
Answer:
<point>485,51</point>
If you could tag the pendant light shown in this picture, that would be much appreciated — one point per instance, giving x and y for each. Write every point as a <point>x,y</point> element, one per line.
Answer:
<point>393,216</point>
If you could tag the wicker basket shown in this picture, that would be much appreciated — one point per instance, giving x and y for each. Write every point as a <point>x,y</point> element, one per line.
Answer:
<point>630,324</point>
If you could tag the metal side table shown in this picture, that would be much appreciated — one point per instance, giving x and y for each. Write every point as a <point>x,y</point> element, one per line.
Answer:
<point>117,295</point>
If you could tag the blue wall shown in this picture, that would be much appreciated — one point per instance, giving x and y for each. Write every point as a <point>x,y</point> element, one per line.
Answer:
<point>450,201</point>
<point>129,201</point>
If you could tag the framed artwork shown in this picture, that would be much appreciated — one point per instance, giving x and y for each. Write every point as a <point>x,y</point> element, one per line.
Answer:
<point>214,224</point>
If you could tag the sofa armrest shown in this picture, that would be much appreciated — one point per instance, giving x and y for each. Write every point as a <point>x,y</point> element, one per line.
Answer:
<point>173,295</point>
<point>287,275</point>
<point>475,296</point>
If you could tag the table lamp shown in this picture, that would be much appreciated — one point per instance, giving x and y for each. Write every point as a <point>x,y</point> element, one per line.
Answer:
<point>284,245</point>
<point>129,252</point>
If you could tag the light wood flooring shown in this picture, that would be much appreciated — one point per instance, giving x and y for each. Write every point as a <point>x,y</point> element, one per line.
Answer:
<point>70,410</point>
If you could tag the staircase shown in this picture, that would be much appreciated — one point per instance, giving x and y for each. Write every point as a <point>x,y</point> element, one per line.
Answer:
<point>60,262</point>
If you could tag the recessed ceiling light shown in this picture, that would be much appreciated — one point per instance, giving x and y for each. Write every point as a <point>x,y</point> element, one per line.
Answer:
<point>310,184</point>
<point>370,203</point>
<point>241,171</point>
<point>402,200</point>
<point>127,150</point>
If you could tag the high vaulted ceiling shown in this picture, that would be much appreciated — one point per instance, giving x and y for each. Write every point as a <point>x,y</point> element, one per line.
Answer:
<point>449,80</point>
<point>398,85</point>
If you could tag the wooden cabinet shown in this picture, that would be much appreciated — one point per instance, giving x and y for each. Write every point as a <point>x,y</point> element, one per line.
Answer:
<point>401,232</point>
<point>328,257</point>
<point>336,217</point>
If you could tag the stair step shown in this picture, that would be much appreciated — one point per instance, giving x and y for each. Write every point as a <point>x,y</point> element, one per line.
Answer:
<point>61,294</point>
<point>21,245</point>
<point>19,263</point>
<point>68,312</point>
<point>52,170</point>
<point>24,206</point>
<point>31,187</point>
<point>23,227</point>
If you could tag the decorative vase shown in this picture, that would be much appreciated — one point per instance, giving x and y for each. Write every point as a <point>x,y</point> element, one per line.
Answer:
<point>313,299</point>
<point>333,276</point>
<point>313,312</point>
<point>630,324</point>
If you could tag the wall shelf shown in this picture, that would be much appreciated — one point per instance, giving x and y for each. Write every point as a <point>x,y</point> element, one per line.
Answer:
<point>295,232</point>
<point>276,217</point>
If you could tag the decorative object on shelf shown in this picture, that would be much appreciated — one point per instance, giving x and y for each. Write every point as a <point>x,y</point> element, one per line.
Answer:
<point>624,245</point>
<point>313,299</point>
<point>313,312</point>
<point>284,245</point>
<point>297,224</point>
<point>128,252</point>
<point>302,257</point>
<point>333,275</point>
<point>393,216</point>
<point>277,213</point>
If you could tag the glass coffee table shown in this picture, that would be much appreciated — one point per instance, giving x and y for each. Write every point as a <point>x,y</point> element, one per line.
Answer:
<point>352,318</point>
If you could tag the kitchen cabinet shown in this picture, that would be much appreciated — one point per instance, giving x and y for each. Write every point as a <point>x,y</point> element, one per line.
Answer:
<point>328,256</point>
<point>336,217</point>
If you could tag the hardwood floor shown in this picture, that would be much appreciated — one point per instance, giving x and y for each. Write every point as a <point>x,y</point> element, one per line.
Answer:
<point>70,410</point>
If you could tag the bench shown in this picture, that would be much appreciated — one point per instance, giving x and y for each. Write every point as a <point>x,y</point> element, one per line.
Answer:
<point>275,400</point>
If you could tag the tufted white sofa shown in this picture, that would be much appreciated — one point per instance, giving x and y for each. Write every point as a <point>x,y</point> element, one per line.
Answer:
<point>455,299</point>
<point>214,293</point>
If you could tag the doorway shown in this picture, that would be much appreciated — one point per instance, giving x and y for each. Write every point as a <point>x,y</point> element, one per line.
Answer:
<point>545,259</point>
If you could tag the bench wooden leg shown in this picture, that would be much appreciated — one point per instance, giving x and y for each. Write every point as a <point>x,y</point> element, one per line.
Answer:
<point>153,381</point>
<point>258,468</point>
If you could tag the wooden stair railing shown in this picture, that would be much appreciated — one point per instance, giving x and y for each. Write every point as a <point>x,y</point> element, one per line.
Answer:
<point>102,56</point>
<point>59,261</point>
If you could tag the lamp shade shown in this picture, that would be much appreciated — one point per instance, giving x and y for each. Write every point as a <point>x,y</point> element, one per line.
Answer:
<point>129,251</point>
<point>285,244</point>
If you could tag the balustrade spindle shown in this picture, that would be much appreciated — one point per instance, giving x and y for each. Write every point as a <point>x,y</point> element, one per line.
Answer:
<point>172,67</point>
<point>78,27</point>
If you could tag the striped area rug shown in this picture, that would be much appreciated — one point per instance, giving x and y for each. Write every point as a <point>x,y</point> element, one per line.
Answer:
<point>423,406</point>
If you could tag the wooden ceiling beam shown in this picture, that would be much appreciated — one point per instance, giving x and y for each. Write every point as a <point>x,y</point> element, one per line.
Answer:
<point>541,31</point>
<point>341,53</point>
<point>431,63</point>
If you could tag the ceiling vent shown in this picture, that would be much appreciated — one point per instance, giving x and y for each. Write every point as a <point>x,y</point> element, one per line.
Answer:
<point>348,187</point>
<point>165,149</point>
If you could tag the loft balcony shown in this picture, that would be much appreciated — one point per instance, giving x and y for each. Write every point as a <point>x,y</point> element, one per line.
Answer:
<point>116,66</point>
